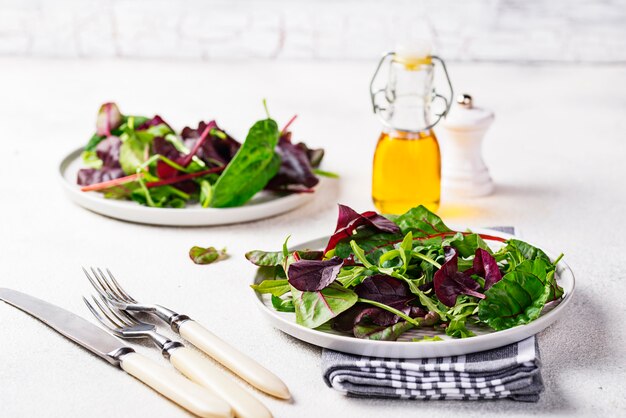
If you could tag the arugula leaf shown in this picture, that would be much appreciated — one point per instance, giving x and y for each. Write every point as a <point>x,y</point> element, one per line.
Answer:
<point>360,255</point>
<point>206,191</point>
<point>350,277</point>
<point>275,258</point>
<point>518,298</point>
<point>376,332</point>
<point>373,243</point>
<point>251,168</point>
<point>427,338</point>
<point>457,329</point>
<point>200,255</point>
<point>283,305</point>
<point>277,287</point>
<point>315,308</point>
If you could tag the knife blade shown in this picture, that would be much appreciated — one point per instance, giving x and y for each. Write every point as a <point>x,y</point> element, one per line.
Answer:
<point>186,393</point>
<point>69,325</point>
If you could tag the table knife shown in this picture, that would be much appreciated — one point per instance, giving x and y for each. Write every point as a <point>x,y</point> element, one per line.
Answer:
<point>168,383</point>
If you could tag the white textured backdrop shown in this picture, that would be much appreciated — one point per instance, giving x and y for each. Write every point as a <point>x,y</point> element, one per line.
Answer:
<point>461,30</point>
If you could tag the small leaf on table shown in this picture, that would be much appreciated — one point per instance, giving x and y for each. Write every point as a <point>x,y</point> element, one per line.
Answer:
<point>200,255</point>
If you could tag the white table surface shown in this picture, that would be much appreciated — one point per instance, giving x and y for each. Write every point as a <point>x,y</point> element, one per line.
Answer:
<point>557,152</point>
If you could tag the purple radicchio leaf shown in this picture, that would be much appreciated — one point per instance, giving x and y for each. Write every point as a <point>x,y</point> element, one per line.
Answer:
<point>295,171</point>
<point>108,150</point>
<point>486,267</point>
<point>315,155</point>
<point>155,121</point>
<point>314,275</point>
<point>89,176</point>
<point>109,118</point>
<point>386,290</point>
<point>349,220</point>
<point>214,149</point>
<point>449,282</point>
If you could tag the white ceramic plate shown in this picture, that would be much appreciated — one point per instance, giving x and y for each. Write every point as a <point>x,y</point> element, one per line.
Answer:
<point>263,205</point>
<point>485,338</point>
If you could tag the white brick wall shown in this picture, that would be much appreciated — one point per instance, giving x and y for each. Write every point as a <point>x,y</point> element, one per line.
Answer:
<point>461,30</point>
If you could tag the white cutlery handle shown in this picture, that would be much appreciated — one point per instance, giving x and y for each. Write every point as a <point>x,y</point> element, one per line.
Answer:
<point>202,371</point>
<point>175,387</point>
<point>239,363</point>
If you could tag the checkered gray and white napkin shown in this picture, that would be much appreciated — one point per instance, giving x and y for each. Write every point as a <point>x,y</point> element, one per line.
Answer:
<point>512,371</point>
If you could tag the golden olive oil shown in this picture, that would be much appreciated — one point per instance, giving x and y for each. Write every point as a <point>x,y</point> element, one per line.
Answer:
<point>407,171</point>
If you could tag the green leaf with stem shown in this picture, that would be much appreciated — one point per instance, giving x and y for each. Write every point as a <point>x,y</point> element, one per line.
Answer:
<point>315,308</point>
<point>360,255</point>
<point>277,287</point>
<point>206,191</point>
<point>323,173</point>
<point>283,305</point>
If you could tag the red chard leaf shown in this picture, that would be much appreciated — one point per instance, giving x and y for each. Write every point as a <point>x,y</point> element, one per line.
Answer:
<point>486,267</point>
<point>349,220</point>
<point>313,275</point>
<point>109,118</point>
<point>108,150</point>
<point>165,148</point>
<point>155,121</point>
<point>213,149</point>
<point>295,169</point>
<point>449,282</point>
<point>88,176</point>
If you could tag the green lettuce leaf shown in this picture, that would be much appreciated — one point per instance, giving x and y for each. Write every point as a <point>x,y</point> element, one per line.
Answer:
<point>251,168</point>
<point>420,221</point>
<point>276,287</point>
<point>518,298</point>
<point>283,305</point>
<point>315,308</point>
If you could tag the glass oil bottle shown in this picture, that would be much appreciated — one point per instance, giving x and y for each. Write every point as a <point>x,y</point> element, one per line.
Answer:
<point>407,161</point>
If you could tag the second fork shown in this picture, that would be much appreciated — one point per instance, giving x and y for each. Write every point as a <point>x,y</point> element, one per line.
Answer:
<point>186,360</point>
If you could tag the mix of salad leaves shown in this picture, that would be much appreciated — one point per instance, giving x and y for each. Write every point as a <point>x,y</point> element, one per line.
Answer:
<point>144,160</point>
<point>379,277</point>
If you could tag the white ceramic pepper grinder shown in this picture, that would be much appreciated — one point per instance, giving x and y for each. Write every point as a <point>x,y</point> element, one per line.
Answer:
<point>464,173</point>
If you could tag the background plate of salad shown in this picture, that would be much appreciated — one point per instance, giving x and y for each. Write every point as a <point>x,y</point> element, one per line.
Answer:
<point>409,286</point>
<point>139,169</point>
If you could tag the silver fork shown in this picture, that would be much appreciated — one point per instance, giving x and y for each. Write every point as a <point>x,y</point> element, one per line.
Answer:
<point>189,362</point>
<point>225,354</point>
<point>125,326</point>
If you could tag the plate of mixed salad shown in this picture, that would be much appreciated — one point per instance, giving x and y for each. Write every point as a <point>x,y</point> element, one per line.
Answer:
<point>140,169</point>
<point>408,286</point>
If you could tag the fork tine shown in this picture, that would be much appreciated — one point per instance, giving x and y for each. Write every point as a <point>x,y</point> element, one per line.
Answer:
<point>102,291</point>
<point>94,311</point>
<point>119,287</point>
<point>108,313</point>
<point>105,284</point>
<point>118,314</point>
<point>131,317</point>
